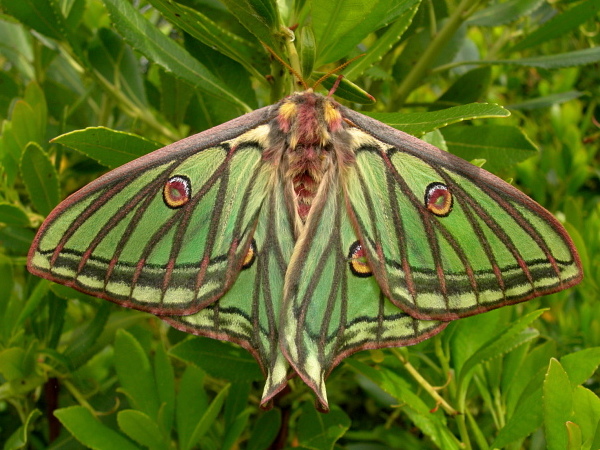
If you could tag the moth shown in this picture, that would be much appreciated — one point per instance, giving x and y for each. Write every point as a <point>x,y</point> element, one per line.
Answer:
<point>304,232</point>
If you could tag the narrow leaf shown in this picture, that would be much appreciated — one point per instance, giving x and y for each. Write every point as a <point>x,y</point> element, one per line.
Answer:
<point>135,374</point>
<point>212,34</point>
<point>148,40</point>
<point>40,178</point>
<point>38,15</point>
<point>581,365</point>
<point>191,403</point>
<point>89,431</point>
<point>556,61</point>
<point>13,215</point>
<point>339,28</point>
<point>424,122</point>
<point>527,417</point>
<point>165,383</point>
<point>501,146</point>
<point>260,17</point>
<point>546,101</point>
<point>219,359</point>
<point>266,429</point>
<point>110,148</point>
<point>573,436</point>
<point>516,334</point>
<point>502,13</point>
<point>558,405</point>
<point>383,44</point>
<point>586,408</point>
<point>139,427</point>
<point>19,439</point>
<point>209,417</point>
<point>560,24</point>
<point>321,431</point>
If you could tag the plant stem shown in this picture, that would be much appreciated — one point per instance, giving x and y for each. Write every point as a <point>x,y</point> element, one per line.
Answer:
<point>422,67</point>
<point>424,383</point>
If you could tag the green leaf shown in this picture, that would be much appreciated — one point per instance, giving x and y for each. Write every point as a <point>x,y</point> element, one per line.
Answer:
<point>10,152</point>
<point>212,34</point>
<point>16,47</point>
<point>501,146</point>
<point>574,436</point>
<point>39,15</point>
<point>165,383</point>
<point>555,61</point>
<point>16,241</point>
<point>558,406</point>
<point>515,335</point>
<point>191,403</point>
<point>32,303</point>
<point>560,24</point>
<point>110,148</point>
<point>19,439</point>
<point>135,374</point>
<point>307,50</point>
<point>81,347</point>
<point>266,430</point>
<point>546,101</point>
<point>7,283</point>
<point>532,370</point>
<point>424,122</point>
<point>139,427</point>
<point>89,431</point>
<point>25,127</point>
<point>431,424</point>
<point>321,431</point>
<point>581,365</point>
<point>219,359</point>
<point>235,428</point>
<point>208,418</point>
<point>339,26</point>
<point>586,414</point>
<point>527,417</point>
<point>40,178</point>
<point>148,40</point>
<point>472,86</point>
<point>236,402</point>
<point>117,64</point>
<point>13,215</point>
<point>383,44</point>
<point>505,12</point>
<point>260,17</point>
<point>11,363</point>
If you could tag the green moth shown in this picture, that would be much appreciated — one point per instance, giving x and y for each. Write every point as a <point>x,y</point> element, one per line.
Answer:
<point>304,232</point>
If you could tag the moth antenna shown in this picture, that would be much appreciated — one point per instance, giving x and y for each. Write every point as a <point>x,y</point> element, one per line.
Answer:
<point>337,69</point>
<point>287,66</point>
<point>335,85</point>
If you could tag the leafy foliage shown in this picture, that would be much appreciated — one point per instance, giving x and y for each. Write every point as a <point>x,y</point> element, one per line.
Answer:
<point>74,368</point>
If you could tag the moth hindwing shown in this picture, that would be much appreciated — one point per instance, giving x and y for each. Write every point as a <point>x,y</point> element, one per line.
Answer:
<point>304,232</point>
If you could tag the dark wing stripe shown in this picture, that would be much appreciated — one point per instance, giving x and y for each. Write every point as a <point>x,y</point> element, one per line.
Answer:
<point>141,196</point>
<point>466,202</point>
<point>133,223</point>
<point>427,224</point>
<point>400,231</point>
<point>177,217</point>
<point>526,226</point>
<point>493,226</point>
<point>337,284</point>
<point>73,226</point>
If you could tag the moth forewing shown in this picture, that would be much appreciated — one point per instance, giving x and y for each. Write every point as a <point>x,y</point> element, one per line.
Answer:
<point>305,231</point>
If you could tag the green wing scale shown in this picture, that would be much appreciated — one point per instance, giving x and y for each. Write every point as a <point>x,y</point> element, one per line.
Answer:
<point>304,232</point>
<point>491,246</point>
